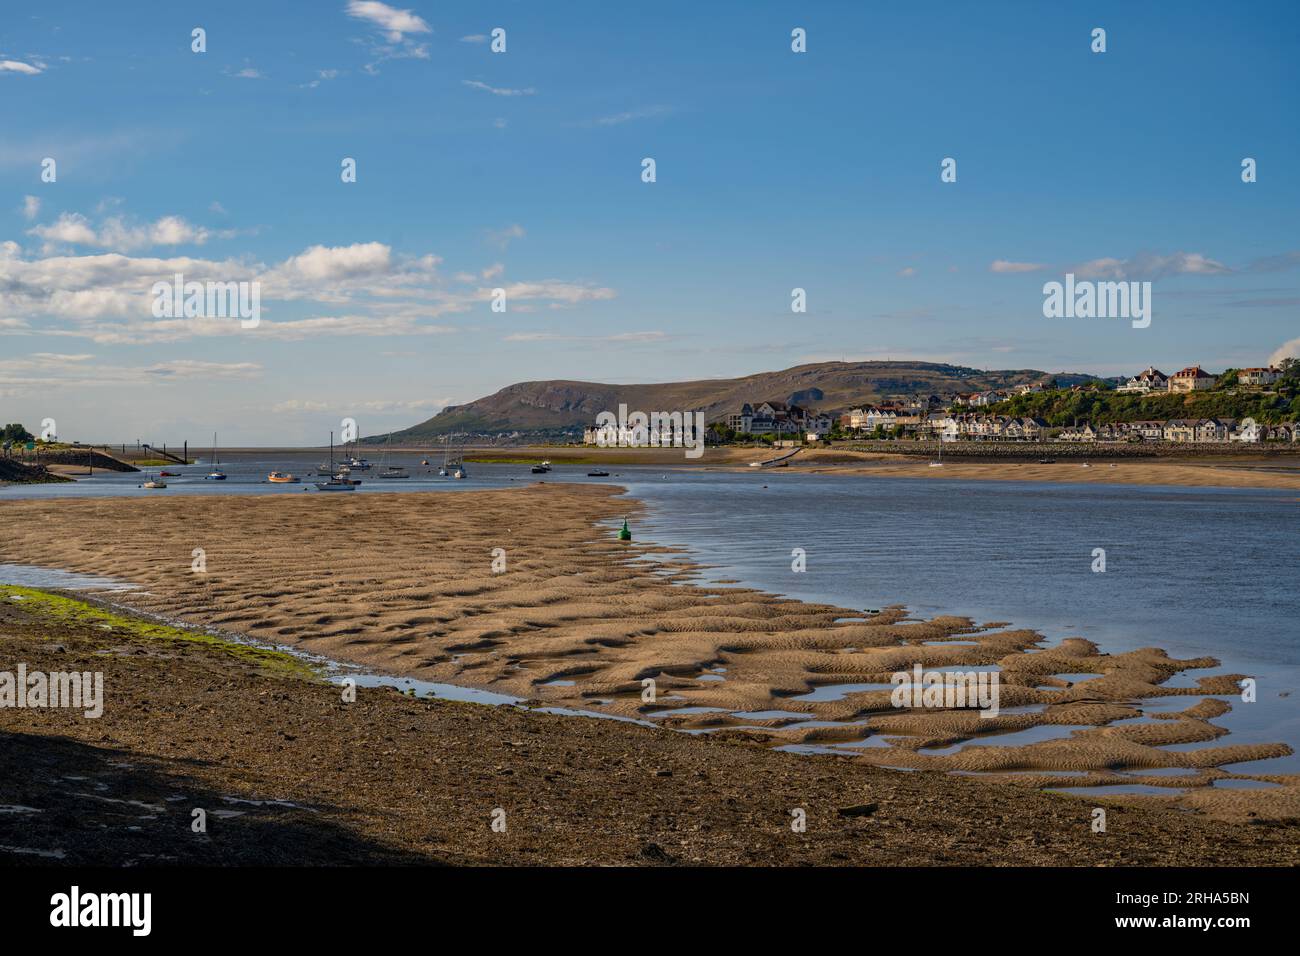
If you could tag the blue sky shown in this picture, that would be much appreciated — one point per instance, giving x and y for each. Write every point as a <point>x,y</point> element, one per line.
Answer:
<point>522,170</point>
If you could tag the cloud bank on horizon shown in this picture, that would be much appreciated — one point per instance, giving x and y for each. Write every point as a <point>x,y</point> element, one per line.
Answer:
<point>435,201</point>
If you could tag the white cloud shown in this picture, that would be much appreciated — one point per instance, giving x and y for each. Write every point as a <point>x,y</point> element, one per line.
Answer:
<point>18,66</point>
<point>907,272</point>
<point>499,90</point>
<point>119,234</point>
<point>1151,266</point>
<point>38,372</point>
<point>185,368</point>
<point>503,237</point>
<point>69,227</point>
<point>324,263</point>
<point>31,207</point>
<point>475,38</point>
<point>555,290</point>
<point>1004,265</point>
<point>1289,349</point>
<point>247,73</point>
<point>619,339</point>
<point>360,289</point>
<point>629,115</point>
<point>321,77</point>
<point>393,22</point>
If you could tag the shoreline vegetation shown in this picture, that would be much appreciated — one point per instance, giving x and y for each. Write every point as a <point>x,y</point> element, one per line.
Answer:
<point>579,620</point>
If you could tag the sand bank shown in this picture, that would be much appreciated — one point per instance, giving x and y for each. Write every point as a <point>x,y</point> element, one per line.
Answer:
<point>405,583</point>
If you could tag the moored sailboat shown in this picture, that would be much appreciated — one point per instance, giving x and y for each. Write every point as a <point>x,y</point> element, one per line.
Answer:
<point>216,474</point>
<point>336,482</point>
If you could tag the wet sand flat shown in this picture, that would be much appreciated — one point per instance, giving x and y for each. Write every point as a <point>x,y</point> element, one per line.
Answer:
<point>527,592</point>
<point>289,774</point>
<point>1129,472</point>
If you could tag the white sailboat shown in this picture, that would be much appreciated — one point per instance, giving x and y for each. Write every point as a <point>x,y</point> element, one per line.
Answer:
<point>216,474</point>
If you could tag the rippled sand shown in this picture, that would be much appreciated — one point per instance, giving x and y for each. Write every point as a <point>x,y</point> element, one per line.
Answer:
<point>405,583</point>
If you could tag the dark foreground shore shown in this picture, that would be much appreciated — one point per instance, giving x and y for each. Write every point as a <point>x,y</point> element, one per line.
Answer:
<point>288,773</point>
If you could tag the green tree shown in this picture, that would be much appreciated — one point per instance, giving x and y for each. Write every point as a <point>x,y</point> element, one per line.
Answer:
<point>16,433</point>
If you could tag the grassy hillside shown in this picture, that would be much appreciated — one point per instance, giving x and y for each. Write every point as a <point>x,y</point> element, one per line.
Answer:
<point>537,409</point>
<point>1104,407</point>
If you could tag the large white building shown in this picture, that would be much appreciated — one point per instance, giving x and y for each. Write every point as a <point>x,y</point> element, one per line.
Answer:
<point>1258,376</point>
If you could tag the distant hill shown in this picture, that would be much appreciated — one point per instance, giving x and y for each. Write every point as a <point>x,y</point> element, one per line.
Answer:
<point>552,408</point>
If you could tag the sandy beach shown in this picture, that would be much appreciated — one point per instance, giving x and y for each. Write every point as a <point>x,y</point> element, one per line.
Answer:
<point>405,584</point>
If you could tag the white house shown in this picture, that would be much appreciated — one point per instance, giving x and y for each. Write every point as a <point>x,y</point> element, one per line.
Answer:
<point>1248,431</point>
<point>1150,380</point>
<point>1258,376</point>
<point>817,426</point>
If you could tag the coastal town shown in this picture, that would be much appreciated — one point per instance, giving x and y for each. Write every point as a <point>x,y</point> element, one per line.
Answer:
<point>992,416</point>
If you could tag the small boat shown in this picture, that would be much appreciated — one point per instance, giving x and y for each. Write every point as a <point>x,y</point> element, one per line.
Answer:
<point>169,474</point>
<point>424,461</point>
<point>1047,461</point>
<point>597,474</point>
<point>938,463</point>
<point>281,477</point>
<point>154,483</point>
<point>216,474</point>
<point>542,469</point>
<point>460,473</point>
<point>387,470</point>
<point>356,464</point>
<point>336,482</point>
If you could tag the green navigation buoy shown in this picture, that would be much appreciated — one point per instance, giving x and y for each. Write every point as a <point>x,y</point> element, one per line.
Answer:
<point>625,534</point>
